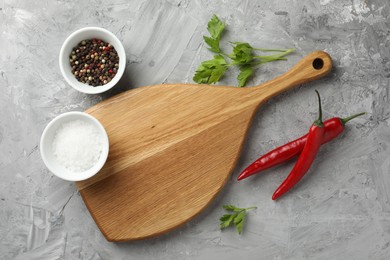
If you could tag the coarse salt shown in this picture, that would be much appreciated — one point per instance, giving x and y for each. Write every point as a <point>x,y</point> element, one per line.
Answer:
<point>77,145</point>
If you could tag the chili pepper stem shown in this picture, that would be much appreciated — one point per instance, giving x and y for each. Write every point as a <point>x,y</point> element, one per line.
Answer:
<point>346,119</point>
<point>318,121</point>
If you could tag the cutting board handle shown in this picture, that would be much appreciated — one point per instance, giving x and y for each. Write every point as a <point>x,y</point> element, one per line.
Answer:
<point>314,66</point>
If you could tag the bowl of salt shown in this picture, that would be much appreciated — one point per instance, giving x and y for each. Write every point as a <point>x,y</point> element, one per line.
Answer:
<point>74,146</point>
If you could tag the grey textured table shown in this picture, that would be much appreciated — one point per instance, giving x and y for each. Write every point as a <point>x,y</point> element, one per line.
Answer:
<point>341,210</point>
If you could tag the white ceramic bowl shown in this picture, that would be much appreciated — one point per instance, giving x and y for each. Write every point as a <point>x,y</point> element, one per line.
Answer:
<point>47,151</point>
<point>73,40</point>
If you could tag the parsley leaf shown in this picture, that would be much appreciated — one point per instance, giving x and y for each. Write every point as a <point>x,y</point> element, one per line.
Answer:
<point>211,71</point>
<point>237,217</point>
<point>213,43</point>
<point>242,53</point>
<point>226,220</point>
<point>239,221</point>
<point>245,73</point>
<point>215,27</point>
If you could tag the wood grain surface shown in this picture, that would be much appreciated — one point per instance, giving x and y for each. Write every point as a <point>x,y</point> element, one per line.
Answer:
<point>172,149</point>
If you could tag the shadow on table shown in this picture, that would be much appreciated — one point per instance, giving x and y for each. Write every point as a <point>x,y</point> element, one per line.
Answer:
<point>123,85</point>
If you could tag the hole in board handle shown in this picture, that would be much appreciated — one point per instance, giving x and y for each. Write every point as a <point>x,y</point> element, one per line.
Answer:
<point>318,64</point>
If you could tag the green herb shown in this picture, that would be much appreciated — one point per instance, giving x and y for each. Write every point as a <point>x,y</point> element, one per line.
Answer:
<point>215,28</point>
<point>245,73</point>
<point>243,56</point>
<point>237,217</point>
<point>242,53</point>
<point>210,71</point>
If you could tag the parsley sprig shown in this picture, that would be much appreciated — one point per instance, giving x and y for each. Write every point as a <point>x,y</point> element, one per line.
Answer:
<point>243,56</point>
<point>237,217</point>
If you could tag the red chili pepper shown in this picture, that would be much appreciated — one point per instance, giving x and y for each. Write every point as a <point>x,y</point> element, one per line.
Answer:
<point>305,160</point>
<point>333,128</point>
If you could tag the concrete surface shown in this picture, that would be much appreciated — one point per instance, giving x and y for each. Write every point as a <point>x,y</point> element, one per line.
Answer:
<point>340,210</point>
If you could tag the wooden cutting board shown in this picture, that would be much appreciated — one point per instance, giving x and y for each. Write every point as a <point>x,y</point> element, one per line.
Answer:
<point>172,149</point>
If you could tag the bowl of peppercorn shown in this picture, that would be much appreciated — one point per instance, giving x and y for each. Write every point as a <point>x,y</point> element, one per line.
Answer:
<point>92,60</point>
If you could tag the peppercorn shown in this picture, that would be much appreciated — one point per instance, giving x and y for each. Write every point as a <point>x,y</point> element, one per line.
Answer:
<point>94,62</point>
